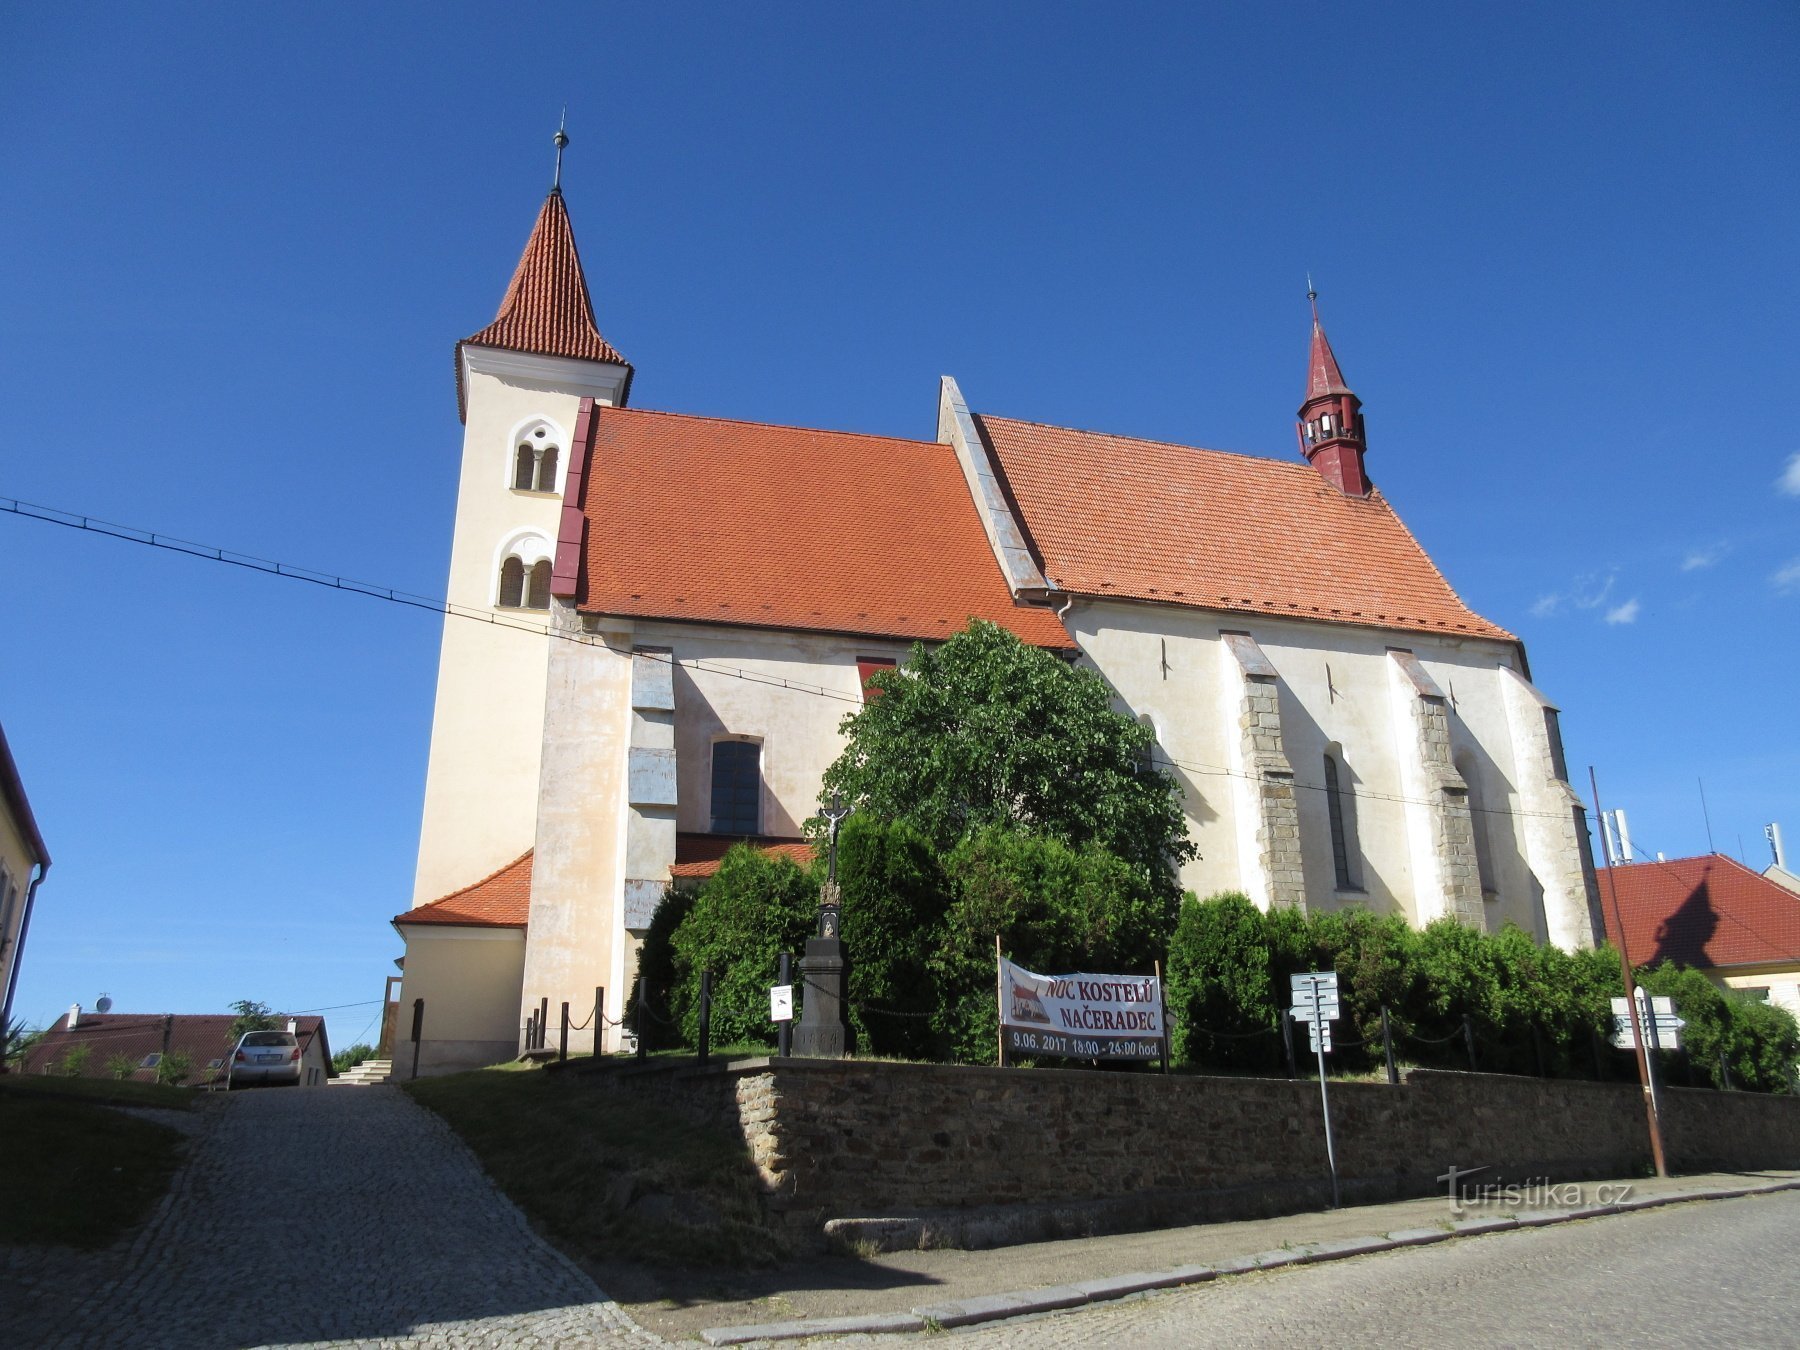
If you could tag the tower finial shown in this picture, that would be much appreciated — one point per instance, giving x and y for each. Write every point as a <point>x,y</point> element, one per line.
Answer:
<point>1312,296</point>
<point>562,139</point>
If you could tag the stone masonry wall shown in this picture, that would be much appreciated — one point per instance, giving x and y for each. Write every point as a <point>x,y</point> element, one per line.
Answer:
<point>1123,1150</point>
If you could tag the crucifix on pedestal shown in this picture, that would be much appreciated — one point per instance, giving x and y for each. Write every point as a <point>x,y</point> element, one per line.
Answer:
<point>821,1033</point>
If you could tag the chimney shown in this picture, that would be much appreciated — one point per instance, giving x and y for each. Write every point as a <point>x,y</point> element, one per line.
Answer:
<point>293,1026</point>
<point>74,1016</point>
<point>1772,832</point>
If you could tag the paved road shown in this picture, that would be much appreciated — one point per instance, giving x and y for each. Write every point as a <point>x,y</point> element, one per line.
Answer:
<point>1711,1274</point>
<point>335,1216</point>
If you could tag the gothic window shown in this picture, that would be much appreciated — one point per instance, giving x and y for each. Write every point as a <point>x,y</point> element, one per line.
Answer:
<point>736,787</point>
<point>512,583</point>
<point>534,462</point>
<point>1480,823</point>
<point>538,594</point>
<point>1340,802</point>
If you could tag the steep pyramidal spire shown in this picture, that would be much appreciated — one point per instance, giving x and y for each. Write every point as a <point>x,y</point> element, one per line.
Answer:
<point>546,310</point>
<point>1331,422</point>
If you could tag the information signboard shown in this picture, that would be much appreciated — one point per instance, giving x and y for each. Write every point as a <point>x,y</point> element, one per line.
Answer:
<point>1080,1016</point>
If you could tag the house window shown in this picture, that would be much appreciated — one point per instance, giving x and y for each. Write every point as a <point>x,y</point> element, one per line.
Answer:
<point>867,666</point>
<point>512,583</point>
<point>1340,802</point>
<point>534,463</point>
<point>151,1060</point>
<point>736,787</point>
<point>523,584</point>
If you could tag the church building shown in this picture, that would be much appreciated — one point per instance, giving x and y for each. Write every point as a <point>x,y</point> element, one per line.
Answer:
<point>658,622</point>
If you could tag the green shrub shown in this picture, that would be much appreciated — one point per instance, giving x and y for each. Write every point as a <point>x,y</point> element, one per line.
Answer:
<point>347,1059</point>
<point>656,974</point>
<point>1220,994</point>
<point>895,896</point>
<point>754,907</point>
<point>75,1061</point>
<point>1055,910</point>
<point>172,1069</point>
<point>120,1066</point>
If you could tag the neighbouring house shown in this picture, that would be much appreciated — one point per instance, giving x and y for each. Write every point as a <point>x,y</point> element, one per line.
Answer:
<point>677,611</point>
<point>1711,913</point>
<point>113,1040</point>
<point>24,861</point>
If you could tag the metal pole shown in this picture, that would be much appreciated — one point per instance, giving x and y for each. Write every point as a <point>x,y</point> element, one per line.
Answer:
<point>1647,1015</point>
<point>999,1005</point>
<point>598,1020</point>
<point>1387,1048</point>
<point>1325,1095</point>
<point>1626,986</point>
<point>1287,1042</point>
<point>417,1026</point>
<point>705,1014</point>
<point>562,1041</point>
<point>530,1032</point>
<point>1469,1040</point>
<point>784,1032</point>
<point>1724,1070</point>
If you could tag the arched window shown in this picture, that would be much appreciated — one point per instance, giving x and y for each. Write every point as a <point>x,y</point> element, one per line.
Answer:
<point>1341,803</point>
<point>1479,821</point>
<point>538,596</point>
<point>512,583</point>
<point>736,787</point>
<point>534,461</point>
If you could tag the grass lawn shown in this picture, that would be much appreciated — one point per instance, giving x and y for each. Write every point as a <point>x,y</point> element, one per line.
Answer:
<point>108,1091</point>
<point>79,1174</point>
<point>609,1178</point>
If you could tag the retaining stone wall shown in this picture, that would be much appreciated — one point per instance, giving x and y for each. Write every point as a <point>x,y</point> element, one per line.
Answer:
<point>1087,1151</point>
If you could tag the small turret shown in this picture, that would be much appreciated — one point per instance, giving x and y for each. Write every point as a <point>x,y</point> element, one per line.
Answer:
<point>1330,420</point>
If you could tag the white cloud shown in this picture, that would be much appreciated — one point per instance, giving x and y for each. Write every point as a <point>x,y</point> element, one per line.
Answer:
<point>1545,606</point>
<point>1628,612</point>
<point>1789,482</point>
<point>1591,591</point>
<point>1787,579</point>
<point>1698,558</point>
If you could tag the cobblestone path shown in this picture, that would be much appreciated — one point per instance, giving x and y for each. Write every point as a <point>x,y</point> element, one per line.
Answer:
<point>337,1217</point>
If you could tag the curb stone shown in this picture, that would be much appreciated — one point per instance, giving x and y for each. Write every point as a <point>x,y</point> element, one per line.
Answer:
<point>1056,1298</point>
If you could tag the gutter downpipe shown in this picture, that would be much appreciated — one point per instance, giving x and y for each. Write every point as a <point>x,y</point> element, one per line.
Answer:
<point>18,951</point>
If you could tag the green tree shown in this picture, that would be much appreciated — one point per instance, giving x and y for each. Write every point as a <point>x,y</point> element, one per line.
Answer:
<point>120,1066</point>
<point>74,1061</point>
<point>987,731</point>
<point>15,1041</point>
<point>656,974</point>
<point>251,1017</point>
<point>895,895</point>
<point>1222,1005</point>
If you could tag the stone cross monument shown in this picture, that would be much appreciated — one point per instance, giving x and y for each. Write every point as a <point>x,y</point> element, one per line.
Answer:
<point>821,1033</point>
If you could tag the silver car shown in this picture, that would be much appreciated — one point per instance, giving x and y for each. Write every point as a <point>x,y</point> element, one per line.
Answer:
<point>265,1057</point>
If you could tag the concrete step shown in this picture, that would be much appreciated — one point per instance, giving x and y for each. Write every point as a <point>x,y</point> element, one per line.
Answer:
<point>369,1072</point>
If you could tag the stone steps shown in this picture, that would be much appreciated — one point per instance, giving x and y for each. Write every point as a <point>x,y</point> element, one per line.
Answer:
<point>366,1074</point>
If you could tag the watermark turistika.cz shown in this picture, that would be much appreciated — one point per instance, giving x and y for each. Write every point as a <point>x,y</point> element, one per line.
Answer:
<point>1532,1193</point>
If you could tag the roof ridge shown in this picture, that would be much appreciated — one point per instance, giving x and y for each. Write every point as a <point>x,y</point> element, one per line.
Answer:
<point>1146,440</point>
<point>772,426</point>
<point>474,885</point>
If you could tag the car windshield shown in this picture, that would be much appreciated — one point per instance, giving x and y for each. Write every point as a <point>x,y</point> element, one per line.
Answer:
<point>269,1038</point>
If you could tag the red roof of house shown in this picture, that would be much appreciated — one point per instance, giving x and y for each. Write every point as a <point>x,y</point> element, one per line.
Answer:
<point>546,309</point>
<point>501,899</point>
<point>1709,911</point>
<point>1144,520</point>
<point>700,518</point>
<point>699,855</point>
<point>203,1037</point>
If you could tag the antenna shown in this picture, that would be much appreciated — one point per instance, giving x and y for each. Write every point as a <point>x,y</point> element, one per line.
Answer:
<point>561,141</point>
<point>103,1003</point>
<point>1704,815</point>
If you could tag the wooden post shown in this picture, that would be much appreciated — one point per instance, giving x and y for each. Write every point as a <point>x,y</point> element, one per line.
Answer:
<point>598,1020</point>
<point>417,1026</point>
<point>1387,1048</point>
<point>562,1043</point>
<point>1469,1040</point>
<point>543,1021</point>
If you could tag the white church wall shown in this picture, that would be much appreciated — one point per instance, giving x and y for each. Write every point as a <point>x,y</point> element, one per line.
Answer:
<point>487,725</point>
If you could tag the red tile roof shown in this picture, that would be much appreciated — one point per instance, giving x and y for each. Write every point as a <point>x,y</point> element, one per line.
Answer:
<point>699,855</point>
<point>501,899</point>
<point>705,519</point>
<point>203,1037</point>
<point>1709,911</point>
<point>547,310</point>
<point>1144,520</point>
<point>1322,374</point>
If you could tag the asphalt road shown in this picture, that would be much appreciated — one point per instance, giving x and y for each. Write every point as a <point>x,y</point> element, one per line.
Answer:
<point>1720,1273</point>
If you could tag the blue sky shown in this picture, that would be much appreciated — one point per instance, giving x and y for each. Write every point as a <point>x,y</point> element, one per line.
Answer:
<point>1554,246</point>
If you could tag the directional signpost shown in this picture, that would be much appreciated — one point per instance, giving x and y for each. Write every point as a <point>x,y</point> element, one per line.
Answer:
<point>1316,1004</point>
<point>1662,1028</point>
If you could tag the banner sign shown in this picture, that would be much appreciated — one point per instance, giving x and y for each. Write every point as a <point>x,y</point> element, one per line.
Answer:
<point>1081,1016</point>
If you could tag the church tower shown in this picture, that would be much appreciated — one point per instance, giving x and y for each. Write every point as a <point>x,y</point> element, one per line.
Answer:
<point>526,385</point>
<point>1331,422</point>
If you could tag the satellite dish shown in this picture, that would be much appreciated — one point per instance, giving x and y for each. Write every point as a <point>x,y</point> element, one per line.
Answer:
<point>103,1003</point>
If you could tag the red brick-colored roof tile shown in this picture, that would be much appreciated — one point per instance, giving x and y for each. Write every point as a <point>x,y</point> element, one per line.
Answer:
<point>501,899</point>
<point>205,1038</point>
<point>1144,520</point>
<point>705,519</point>
<point>699,855</point>
<point>1707,912</point>
<point>546,309</point>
